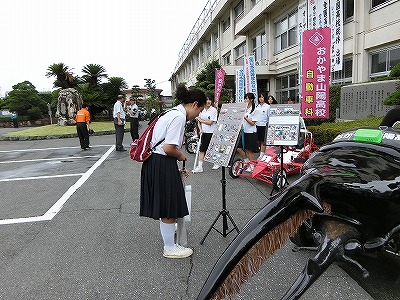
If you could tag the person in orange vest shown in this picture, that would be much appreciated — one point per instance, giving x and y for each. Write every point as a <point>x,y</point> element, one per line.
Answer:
<point>82,126</point>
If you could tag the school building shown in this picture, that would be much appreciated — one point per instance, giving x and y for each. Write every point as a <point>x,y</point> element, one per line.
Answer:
<point>228,30</point>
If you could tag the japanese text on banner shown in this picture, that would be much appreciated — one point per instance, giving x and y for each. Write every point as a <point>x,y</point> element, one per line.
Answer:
<point>315,73</point>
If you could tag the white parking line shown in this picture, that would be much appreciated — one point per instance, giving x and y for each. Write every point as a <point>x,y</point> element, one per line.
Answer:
<point>40,177</point>
<point>60,202</point>
<point>47,159</point>
<point>45,149</point>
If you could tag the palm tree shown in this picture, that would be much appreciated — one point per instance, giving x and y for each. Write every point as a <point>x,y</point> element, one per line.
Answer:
<point>64,76</point>
<point>93,74</point>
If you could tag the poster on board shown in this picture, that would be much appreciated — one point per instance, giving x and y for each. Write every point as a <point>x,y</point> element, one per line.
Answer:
<point>223,140</point>
<point>284,125</point>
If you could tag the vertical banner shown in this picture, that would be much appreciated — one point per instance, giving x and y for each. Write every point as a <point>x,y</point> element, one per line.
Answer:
<point>322,13</point>
<point>250,76</point>
<point>312,14</point>
<point>302,18</point>
<point>239,81</point>
<point>219,83</point>
<point>315,73</point>
<point>336,12</point>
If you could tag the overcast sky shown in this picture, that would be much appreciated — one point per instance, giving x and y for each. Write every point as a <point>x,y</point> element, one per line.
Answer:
<point>132,39</point>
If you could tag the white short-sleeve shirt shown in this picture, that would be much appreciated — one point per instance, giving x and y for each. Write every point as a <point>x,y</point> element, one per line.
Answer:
<point>209,114</point>
<point>247,128</point>
<point>262,114</point>
<point>170,126</point>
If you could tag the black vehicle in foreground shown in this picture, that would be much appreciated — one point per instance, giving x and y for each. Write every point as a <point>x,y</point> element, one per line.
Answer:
<point>346,203</point>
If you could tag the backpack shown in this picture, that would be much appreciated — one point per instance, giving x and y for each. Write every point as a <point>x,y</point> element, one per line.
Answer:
<point>140,148</point>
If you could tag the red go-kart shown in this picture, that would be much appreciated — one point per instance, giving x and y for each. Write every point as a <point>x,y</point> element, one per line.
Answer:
<point>270,168</point>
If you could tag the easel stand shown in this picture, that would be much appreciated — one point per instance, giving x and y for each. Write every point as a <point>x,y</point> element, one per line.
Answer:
<point>224,213</point>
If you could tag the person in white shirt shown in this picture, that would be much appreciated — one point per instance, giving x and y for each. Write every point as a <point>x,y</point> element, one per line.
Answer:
<point>249,132</point>
<point>206,121</point>
<point>162,195</point>
<point>262,110</point>
<point>119,122</point>
<point>133,111</point>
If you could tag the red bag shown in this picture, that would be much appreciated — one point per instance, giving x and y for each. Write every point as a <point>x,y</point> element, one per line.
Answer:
<point>140,148</point>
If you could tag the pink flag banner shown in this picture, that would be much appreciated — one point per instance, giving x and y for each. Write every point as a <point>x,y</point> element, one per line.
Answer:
<point>219,83</point>
<point>315,73</point>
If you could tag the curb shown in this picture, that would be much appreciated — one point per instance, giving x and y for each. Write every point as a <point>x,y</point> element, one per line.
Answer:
<point>49,137</point>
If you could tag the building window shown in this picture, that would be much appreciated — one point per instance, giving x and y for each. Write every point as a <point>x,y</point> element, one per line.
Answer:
<point>345,75</point>
<point>201,56</point>
<point>259,46</point>
<point>216,40</point>
<point>286,86</point>
<point>383,61</point>
<point>226,59</point>
<point>254,2</point>
<point>375,3</point>
<point>226,24</point>
<point>239,10</point>
<point>348,7</point>
<point>208,48</point>
<point>286,31</point>
<point>240,52</point>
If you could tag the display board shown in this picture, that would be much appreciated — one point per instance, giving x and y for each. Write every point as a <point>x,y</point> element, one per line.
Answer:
<point>223,140</point>
<point>284,125</point>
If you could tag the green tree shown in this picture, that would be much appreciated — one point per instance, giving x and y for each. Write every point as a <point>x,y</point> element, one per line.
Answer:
<point>114,87</point>
<point>24,99</point>
<point>206,82</point>
<point>152,99</point>
<point>93,75</point>
<point>64,76</point>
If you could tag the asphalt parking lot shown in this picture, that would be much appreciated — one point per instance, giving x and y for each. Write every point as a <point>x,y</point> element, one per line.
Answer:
<point>70,230</point>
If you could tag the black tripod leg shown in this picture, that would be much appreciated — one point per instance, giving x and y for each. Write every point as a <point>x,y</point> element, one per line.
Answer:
<point>233,222</point>
<point>211,227</point>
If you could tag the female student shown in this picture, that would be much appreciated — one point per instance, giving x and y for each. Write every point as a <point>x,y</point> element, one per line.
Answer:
<point>262,121</point>
<point>249,131</point>
<point>206,121</point>
<point>162,195</point>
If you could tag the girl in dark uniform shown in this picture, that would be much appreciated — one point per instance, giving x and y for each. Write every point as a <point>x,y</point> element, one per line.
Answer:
<point>162,195</point>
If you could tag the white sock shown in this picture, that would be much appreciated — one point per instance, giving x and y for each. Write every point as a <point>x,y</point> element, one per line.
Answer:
<point>200,164</point>
<point>167,232</point>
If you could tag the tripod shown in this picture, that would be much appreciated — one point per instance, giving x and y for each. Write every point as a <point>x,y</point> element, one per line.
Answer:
<point>224,213</point>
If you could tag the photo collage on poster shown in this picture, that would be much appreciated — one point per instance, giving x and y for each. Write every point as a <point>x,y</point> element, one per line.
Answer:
<point>223,140</point>
<point>284,125</point>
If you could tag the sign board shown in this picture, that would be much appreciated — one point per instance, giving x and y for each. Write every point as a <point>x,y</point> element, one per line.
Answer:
<point>223,140</point>
<point>284,125</point>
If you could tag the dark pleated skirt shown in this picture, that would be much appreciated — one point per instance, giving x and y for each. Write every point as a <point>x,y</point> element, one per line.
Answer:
<point>162,194</point>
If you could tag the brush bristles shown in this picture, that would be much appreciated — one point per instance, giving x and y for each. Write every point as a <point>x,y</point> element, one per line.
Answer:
<point>251,262</point>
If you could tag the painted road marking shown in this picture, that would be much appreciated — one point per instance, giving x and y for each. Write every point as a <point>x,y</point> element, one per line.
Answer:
<point>47,159</point>
<point>40,177</point>
<point>50,214</point>
<point>44,149</point>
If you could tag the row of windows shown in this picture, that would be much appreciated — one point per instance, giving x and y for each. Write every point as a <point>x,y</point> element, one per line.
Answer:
<point>286,35</point>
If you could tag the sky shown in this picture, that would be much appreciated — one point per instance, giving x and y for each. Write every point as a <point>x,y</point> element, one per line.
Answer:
<point>132,39</point>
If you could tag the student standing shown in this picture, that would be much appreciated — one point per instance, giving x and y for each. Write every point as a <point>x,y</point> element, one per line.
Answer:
<point>119,122</point>
<point>206,121</point>
<point>133,111</point>
<point>162,195</point>
<point>82,126</point>
<point>249,132</point>
<point>262,109</point>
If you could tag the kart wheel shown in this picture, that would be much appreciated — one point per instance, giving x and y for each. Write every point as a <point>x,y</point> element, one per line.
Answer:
<point>236,168</point>
<point>191,147</point>
<point>279,179</point>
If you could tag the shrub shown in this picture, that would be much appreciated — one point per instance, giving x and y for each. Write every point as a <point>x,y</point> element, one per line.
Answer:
<point>395,72</point>
<point>393,98</point>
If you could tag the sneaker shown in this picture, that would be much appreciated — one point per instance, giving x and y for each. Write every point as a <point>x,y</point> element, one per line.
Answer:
<point>198,169</point>
<point>215,167</point>
<point>178,252</point>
